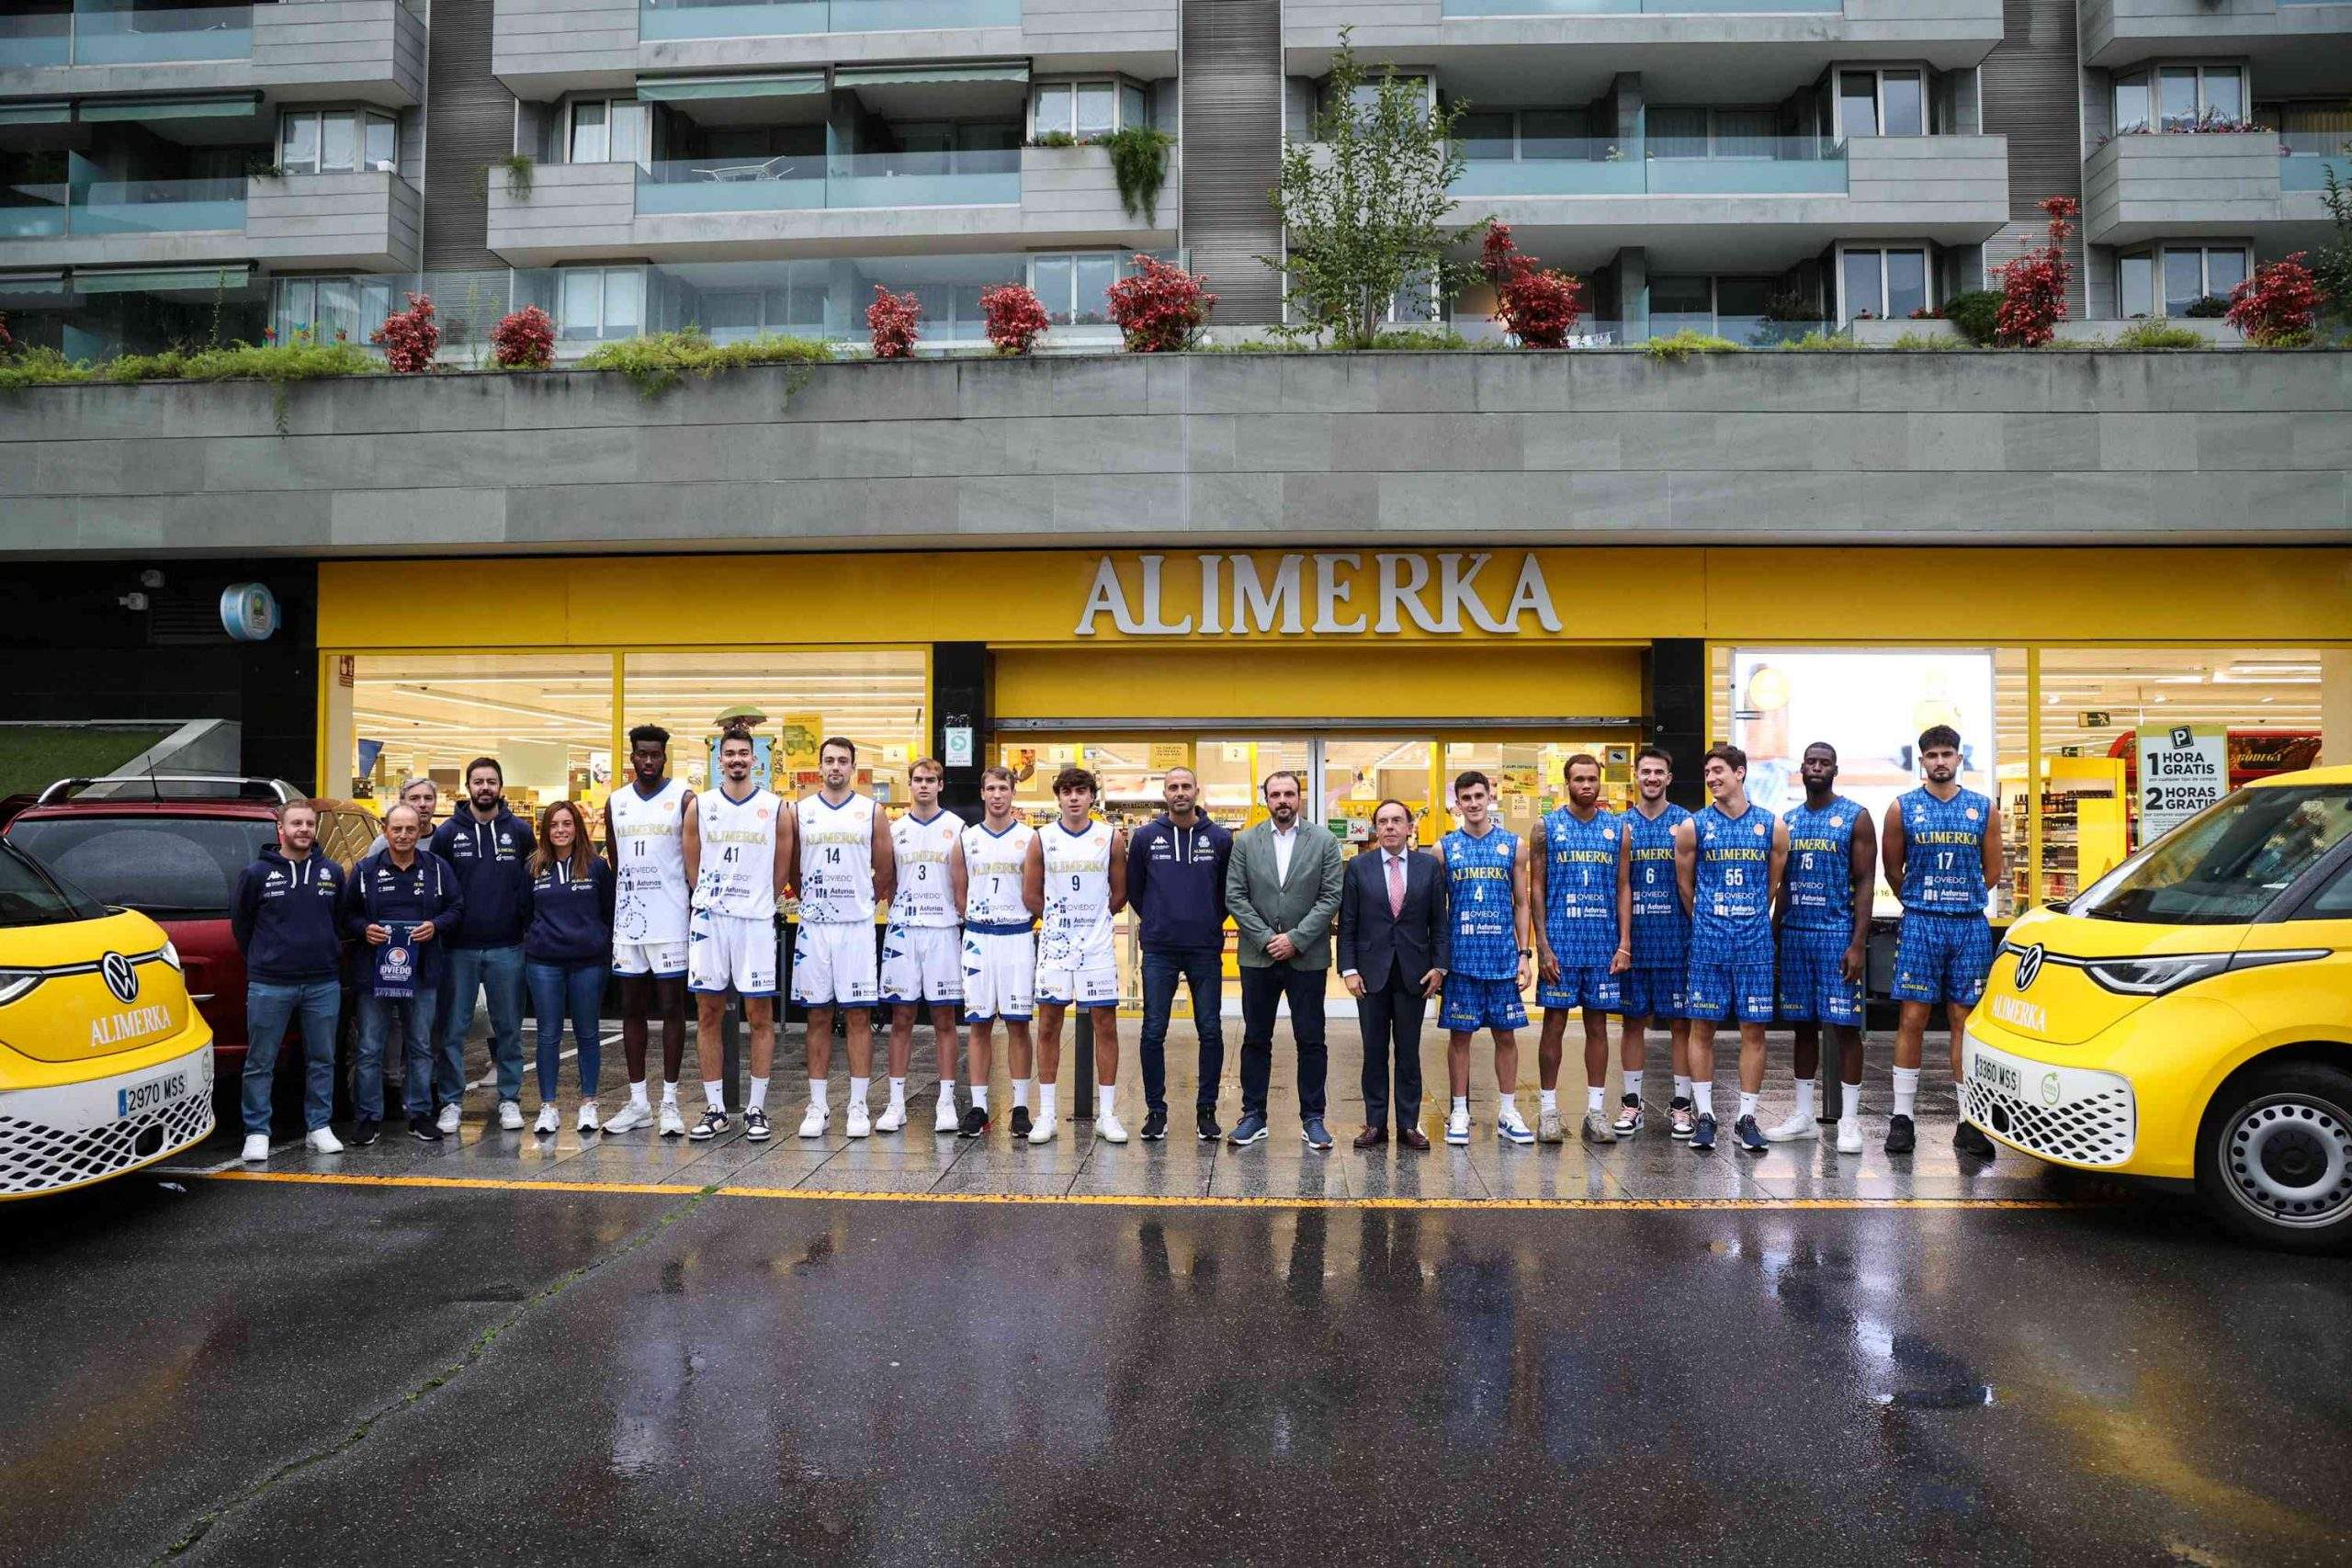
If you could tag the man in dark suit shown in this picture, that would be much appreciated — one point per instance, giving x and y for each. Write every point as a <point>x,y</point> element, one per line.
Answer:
<point>1394,942</point>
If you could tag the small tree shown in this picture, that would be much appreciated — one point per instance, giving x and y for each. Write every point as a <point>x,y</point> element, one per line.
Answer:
<point>2275,308</point>
<point>1015,317</point>
<point>410,337</point>
<point>891,320</point>
<point>2033,287</point>
<point>2332,265</point>
<point>524,340</point>
<point>1365,203</point>
<point>1160,310</point>
<point>1535,304</point>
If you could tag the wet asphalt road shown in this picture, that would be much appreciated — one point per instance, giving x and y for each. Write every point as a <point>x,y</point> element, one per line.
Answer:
<point>278,1372</point>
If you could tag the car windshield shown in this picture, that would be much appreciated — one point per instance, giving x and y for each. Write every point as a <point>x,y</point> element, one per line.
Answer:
<point>2225,866</point>
<point>30,896</point>
<point>168,867</point>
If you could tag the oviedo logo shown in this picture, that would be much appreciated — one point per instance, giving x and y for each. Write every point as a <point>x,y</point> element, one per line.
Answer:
<point>2029,966</point>
<point>121,978</point>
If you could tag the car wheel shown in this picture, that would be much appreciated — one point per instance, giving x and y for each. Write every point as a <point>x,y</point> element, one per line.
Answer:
<point>2275,1158</point>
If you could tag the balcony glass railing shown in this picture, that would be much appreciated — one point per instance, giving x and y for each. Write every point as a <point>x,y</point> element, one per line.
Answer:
<point>2309,154</point>
<point>798,182</point>
<point>125,36</point>
<point>660,20</point>
<point>1636,8</point>
<point>121,206</point>
<point>1772,166</point>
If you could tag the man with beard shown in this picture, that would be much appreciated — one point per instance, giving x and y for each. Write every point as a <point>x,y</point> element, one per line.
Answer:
<point>1728,860</point>
<point>846,868</point>
<point>1825,942</point>
<point>1572,864</point>
<point>1283,888</point>
<point>1487,899</point>
<point>1656,947</point>
<point>1176,886</point>
<point>738,853</point>
<point>488,848</point>
<point>645,835</point>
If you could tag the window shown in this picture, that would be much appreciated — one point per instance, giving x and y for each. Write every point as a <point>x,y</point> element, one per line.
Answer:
<point>1074,288</point>
<point>170,867</point>
<point>325,141</point>
<point>2179,97</point>
<point>1888,283</point>
<point>610,130</point>
<point>330,310</point>
<point>2189,273</point>
<point>1881,102</point>
<point>1087,109</point>
<point>2135,286</point>
<point>2334,901</point>
<point>2132,104</point>
<point>600,302</point>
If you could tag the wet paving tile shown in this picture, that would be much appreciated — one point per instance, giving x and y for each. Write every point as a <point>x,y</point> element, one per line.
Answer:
<point>1310,1177</point>
<point>1440,1173</point>
<point>1035,1184</point>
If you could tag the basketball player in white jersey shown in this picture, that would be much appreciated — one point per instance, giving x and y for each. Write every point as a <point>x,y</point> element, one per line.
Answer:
<point>645,822</point>
<point>845,868</point>
<point>922,946</point>
<point>1003,890</point>
<point>1082,862</point>
<point>738,855</point>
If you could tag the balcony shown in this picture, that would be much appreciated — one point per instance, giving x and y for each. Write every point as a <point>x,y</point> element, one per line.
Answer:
<point>1788,165</point>
<point>713,209</point>
<point>351,220</point>
<point>370,51</point>
<point>2254,183</point>
<point>2273,36</point>
<point>540,48</point>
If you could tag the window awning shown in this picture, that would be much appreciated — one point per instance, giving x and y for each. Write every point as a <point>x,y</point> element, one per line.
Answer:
<point>160,279</point>
<point>217,106</point>
<point>15,284</point>
<point>57,113</point>
<point>1015,71</point>
<point>703,89</point>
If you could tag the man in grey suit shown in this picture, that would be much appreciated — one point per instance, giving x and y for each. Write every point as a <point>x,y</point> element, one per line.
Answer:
<point>1395,946</point>
<point>1282,887</point>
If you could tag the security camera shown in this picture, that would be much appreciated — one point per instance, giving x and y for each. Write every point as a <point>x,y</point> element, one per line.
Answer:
<point>133,601</point>
<point>150,578</point>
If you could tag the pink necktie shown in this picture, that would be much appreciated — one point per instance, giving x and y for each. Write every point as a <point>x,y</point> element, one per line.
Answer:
<point>1395,888</point>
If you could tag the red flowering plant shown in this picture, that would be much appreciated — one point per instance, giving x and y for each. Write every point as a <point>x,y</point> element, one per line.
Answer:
<point>6,342</point>
<point>2275,308</point>
<point>524,340</point>
<point>410,337</point>
<point>2033,287</point>
<point>1161,309</point>
<point>1015,317</point>
<point>1537,305</point>
<point>891,321</point>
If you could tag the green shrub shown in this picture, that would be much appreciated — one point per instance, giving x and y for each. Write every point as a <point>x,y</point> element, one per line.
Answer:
<point>1682,345</point>
<point>1426,339</point>
<point>2157,334</point>
<point>1917,343</point>
<point>275,363</point>
<point>1975,312</point>
<point>1815,341</point>
<point>654,364</point>
<point>1139,166</point>
<point>41,367</point>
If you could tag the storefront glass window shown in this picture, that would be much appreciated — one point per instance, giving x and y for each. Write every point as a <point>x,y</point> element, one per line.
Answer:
<point>547,718</point>
<point>874,697</point>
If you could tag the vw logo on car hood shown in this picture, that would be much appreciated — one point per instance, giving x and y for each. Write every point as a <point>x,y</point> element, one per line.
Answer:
<point>2028,965</point>
<point>121,977</point>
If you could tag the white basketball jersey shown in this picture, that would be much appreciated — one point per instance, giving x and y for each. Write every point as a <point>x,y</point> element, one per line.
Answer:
<point>1078,888</point>
<point>649,861</point>
<point>994,867</point>
<point>925,896</point>
<point>738,872</point>
<point>836,861</point>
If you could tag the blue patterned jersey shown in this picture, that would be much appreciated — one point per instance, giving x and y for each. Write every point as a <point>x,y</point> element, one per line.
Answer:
<point>1479,875</point>
<point>1943,852</point>
<point>1580,886</point>
<point>1821,865</point>
<point>1732,923</point>
<point>1661,926</point>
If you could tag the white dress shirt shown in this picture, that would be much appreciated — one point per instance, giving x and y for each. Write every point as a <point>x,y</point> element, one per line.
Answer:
<point>1284,843</point>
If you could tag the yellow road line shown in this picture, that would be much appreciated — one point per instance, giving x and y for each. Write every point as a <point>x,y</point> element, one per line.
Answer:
<point>1141,1201</point>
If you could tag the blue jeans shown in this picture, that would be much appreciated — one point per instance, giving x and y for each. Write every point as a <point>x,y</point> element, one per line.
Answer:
<point>415,1016</point>
<point>568,990</point>
<point>498,973</point>
<point>1202,969</point>
<point>269,1009</point>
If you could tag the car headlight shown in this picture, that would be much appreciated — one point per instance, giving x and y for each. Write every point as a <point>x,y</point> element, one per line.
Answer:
<point>170,953</point>
<point>15,983</point>
<point>2160,977</point>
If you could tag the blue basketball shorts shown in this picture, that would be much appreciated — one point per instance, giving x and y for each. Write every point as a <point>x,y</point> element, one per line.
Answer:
<point>1942,958</point>
<point>1472,1004</point>
<point>1814,988</point>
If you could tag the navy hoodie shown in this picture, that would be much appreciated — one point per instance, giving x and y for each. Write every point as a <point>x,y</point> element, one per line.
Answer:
<point>492,861</point>
<point>571,916</point>
<point>1176,883</point>
<point>381,894</point>
<point>284,918</point>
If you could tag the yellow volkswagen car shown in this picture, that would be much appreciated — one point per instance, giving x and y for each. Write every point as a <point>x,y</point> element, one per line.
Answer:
<point>104,1065</point>
<point>2188,1016</point>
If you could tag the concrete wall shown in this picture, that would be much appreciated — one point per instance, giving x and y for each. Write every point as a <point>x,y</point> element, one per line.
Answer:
<point>371,51</point>
<point>1944,32</point>
<point>572,208</point>
<point>1068,196</point>
<point>2046,447</point>
<point>2125,32</point>
<point>369,221</point>
<point>2139,187</point>
<point>541,47</point>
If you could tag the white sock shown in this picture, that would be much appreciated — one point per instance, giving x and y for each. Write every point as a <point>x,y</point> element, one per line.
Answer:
<point>817,1093</point>
<point>1020,1093</point>
<point>1508,1107</point>
<point>899,1093</point>
<point>1907,1089</point>
<point>668,1091</point>
<point>1548,1099</point>
<point>1681,1086</point>
<point>1592,1098</point>
<point>1462,1104</point>
<point>1049,1101</point>
<point>1703,1095</point>
<point>979,1097</point>
<point>1106,1098</point>
<point>1634,1082</point>
<point>1747,1104</point>
<point>858,1087</point>
<point>1850,1099</point>
<point>637,1093</point>
<point>714,1094</point>
<point>946,1088</point>
<point>758,1094</point>
<point>1804,1097</point>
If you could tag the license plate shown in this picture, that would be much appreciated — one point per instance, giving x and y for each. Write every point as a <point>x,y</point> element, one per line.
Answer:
<point>140,1098</point>
<point>1997,1073</point>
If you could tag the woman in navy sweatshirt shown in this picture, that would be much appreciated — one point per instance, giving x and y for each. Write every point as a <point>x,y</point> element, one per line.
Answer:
<point>567,952</point>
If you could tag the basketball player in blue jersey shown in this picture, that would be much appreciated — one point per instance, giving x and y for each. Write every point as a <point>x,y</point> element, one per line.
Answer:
<point>1825,913</point>
<point>1579,927</point>
<point>1941,845</point>
<point>1727,862</point>
<point>1487,881</point>
<point>1654,967</point>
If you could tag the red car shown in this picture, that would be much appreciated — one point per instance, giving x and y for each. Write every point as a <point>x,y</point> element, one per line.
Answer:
<point>172,847</point>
